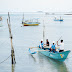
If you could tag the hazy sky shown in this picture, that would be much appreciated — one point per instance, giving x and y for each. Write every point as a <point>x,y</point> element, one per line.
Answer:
<point>35,5</point>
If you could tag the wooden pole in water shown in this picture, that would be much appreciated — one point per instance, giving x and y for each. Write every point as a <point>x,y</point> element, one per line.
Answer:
<point>23,16</point>
<point>23,19</point>
<point>12,49</point>
<point>43,31</point>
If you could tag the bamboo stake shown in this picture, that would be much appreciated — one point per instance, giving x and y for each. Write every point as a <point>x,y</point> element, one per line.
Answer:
<point>12,49</point>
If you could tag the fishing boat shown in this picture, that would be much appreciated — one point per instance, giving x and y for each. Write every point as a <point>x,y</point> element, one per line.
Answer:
<point>30,22</point>
<point>59,56</point>
<point>58,19</point>
<point>0,18</point>
<point>27,23</point>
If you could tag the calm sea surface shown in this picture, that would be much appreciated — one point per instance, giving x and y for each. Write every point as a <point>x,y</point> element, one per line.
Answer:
<point>30,36</point>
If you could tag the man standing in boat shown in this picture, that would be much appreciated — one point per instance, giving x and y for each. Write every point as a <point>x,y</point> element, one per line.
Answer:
<point>61,46</point>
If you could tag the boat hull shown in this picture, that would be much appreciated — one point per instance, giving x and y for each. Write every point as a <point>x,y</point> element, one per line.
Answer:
<point>61,56</point>
<point>31,24</point>
<point>59,20</point>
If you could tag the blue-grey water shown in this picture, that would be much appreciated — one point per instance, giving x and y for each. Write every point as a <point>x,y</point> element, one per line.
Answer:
<point>30,36</point>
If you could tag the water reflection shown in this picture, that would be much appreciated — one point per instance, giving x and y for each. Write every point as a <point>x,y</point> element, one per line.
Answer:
<point>1,24</point>
<point>13,67</point>
<point>52,64</point>
<point>59,66</point>
<point>31,56</point>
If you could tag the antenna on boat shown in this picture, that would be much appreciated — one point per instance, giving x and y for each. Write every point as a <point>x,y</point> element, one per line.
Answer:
<point>12,48</point>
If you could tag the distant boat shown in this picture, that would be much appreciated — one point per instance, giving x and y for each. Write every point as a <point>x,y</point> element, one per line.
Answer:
<point>40,11</point>
<point>1,21</point>
<point>46,13</point>
<point>29,22</point>
<point>67,14</point>
<point>58,19</point>
<point>0,18</point>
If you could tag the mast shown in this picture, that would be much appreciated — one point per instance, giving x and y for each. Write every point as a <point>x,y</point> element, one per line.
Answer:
<point>43,32</point>
<point>23,19</point>
<point>23,16</point>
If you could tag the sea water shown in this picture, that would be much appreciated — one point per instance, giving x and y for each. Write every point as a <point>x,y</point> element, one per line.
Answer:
<point>25,37</point>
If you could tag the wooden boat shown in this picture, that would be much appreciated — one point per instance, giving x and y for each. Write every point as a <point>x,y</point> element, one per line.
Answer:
<point>30,23</point>
<point>0,18</point>
<point>59,56</point>
<point>58,19</point>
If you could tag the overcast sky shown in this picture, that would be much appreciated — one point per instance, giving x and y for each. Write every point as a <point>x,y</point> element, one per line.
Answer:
<point>35,5</point>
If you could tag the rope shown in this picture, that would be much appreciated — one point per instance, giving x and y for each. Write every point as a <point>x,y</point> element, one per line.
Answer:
<point>5,59</point>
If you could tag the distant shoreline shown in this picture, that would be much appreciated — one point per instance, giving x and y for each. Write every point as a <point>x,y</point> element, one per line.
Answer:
<point>67,14</point>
